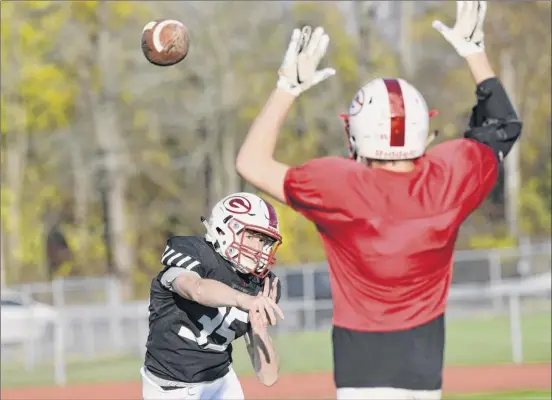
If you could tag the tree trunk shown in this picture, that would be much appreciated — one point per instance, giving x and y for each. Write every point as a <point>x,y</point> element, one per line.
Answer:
<point>2,260</point>
<point>207,173</point>
<point>406,48</point>
<point>81,195</point>
<point>512,162</point>
<point>363,12</point>
<point>108,134</point>
<point>17,142</point>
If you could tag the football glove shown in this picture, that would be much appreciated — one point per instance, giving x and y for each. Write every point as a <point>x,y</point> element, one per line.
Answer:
<point>467,34</point>
<point>299,70</point>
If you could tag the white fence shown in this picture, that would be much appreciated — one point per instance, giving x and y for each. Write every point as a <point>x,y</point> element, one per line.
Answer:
<point>91,322</point>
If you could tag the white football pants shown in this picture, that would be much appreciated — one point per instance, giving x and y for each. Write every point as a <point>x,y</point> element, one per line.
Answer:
<point>386,394</point>
<point>226,388</point>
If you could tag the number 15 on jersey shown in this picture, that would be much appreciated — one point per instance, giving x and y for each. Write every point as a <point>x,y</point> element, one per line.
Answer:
<point>220,325</point>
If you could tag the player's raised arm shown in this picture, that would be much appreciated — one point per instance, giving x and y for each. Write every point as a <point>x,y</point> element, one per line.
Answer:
<point>494,121</point>
<point>255,161</point>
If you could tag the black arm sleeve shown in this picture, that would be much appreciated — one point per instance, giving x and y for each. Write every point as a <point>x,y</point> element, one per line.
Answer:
<point>494,121</point>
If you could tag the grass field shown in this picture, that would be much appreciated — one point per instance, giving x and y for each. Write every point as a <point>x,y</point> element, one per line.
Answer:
<point>477,341</point>
<point>525,395</point>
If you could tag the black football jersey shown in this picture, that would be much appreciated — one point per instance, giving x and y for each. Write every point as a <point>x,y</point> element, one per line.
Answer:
<point>189,342</point>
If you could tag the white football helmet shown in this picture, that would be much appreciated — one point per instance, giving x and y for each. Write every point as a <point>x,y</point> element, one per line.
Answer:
<point>388,119</point>
<point>226,228</point>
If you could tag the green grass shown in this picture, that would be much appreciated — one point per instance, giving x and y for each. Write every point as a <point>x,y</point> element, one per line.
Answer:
<point>525,395</point>
<point>477,341</point>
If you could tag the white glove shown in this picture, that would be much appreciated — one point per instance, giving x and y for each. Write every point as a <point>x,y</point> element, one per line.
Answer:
<point>467,34</point>
<point>299,68</point>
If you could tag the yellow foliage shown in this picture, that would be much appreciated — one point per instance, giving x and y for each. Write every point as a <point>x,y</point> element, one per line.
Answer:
<point>122,10</point>
<point>38,5</point>
<point>7,196</point>
<point>84,11</point>
<point>300,240</point>
<point>65,270</point>
<point>487,242</point>
<point>535,206</point>
<point>39,90</point>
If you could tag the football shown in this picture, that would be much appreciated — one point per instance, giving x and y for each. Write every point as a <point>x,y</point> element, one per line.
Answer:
<point>165,42</point>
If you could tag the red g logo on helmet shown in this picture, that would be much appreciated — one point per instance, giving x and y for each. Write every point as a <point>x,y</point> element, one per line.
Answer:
<point>237,205</point>
<point>357,103</point>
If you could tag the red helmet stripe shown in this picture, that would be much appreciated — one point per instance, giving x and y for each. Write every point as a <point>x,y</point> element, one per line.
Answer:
<point>396,108</point>
<point>272,216</point>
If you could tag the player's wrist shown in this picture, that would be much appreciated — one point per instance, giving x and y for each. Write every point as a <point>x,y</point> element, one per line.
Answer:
<point>261,333</point>
<point>288,87</point>
<point>244,301</point>
<point>480,66</point>
<point>470,49</point>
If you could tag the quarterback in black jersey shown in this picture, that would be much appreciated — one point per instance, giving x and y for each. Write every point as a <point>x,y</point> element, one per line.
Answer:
<point>211,291</point>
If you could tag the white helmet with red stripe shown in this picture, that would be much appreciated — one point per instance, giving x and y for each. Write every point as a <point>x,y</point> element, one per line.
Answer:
<point>232,220</point>
<point>388,119</point>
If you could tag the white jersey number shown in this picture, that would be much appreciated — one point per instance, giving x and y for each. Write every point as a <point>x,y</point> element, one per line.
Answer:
<point>219,324</point>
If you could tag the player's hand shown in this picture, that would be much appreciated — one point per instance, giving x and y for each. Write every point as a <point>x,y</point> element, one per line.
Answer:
<point>467,34</point>
<point>259,319</point>
<point>299,70</point>
<point>257,324</point>
<point>273,293</point>
<point>267,308</point>
<point>264,305</point>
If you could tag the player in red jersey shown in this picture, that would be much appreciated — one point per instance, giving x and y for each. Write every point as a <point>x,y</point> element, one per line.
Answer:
<point>389,215</point>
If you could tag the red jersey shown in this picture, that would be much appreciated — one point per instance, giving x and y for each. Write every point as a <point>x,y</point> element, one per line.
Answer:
<point>389,237</point>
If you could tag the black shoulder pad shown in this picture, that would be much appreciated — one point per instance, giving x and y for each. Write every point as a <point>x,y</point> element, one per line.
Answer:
<point>498,135</point>
<point>182,244</point>
<point>493,103</point>
<point>185,252</point>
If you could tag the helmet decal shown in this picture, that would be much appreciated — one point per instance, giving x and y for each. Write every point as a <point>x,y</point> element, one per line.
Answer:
<point>272,216</point>
<point>396,108</point>
<point>357,103</point>
<point>237,205</point>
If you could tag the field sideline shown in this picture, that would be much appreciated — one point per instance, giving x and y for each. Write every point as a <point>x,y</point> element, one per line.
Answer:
<point>504,380</point>
<point>477,341</point>
<point>477,357</point>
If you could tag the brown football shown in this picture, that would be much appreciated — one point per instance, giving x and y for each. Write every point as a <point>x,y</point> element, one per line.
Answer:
<point>165,42</point>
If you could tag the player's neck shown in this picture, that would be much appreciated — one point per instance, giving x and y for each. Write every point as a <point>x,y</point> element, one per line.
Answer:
<point>394,166</point>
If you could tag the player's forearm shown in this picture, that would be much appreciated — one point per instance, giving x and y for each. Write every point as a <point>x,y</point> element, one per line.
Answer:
<point>260,142</point>
<point>255,162</point>
<point>210,293</point>
<point>265,359</point>
<point>480,67</point>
